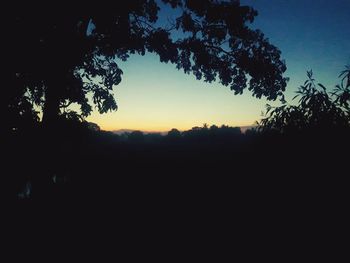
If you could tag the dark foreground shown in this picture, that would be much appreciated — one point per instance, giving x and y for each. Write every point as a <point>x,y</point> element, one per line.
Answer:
<point>161,199</point>
<point>159,170</point>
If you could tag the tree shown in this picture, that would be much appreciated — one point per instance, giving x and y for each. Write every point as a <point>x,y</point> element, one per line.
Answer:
<point>317,109</point>
<point>136,137</point>
<point>93,127</point>
<point>62,54</point>
<point>174,135</point>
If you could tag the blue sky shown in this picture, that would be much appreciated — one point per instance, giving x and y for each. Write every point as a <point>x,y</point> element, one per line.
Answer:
<point>312,34</point>
<point>153,96</point>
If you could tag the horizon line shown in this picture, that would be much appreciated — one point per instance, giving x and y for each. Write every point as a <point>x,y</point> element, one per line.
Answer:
<point>125,130</point>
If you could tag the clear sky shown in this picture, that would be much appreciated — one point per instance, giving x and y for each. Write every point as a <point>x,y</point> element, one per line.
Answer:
<point>153,96</point>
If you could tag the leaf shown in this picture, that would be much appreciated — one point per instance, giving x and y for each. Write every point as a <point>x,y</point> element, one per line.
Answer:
<point>268,107</point>
<point>342,73</point>
<point>296,96</point>
<point>323,87</point>
<point>309,74</point>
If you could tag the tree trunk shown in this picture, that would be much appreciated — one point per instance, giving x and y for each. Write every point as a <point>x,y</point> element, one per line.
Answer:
<point>50,140</point>
<point>51,107</point>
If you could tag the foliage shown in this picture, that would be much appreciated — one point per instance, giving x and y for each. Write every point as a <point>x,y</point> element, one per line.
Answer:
<point>317,109</point>
<point>62,55</point>
<point>174,135</point>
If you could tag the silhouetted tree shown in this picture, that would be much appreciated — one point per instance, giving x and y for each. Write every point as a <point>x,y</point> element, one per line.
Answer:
<point>154,138</point>
<point>64,54</point>
<point>342,90</point>
<point>57,56</point>
<point>93,126</point>
<point>136,137</point>
<point>174,134</point>
<point>317,109</point>
<point>214,128</point>
<point>17,108</point>
<point>227,130</point>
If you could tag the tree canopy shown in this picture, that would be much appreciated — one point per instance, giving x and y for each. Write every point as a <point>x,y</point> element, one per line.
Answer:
<point>317,109</point>
<point>60,55</point>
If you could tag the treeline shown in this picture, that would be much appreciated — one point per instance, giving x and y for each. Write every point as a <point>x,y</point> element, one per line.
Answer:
<point>75,158</point>
<point>204,134</point>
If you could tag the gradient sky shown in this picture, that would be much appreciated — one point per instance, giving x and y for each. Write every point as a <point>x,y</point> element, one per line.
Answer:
<point>153,96</point>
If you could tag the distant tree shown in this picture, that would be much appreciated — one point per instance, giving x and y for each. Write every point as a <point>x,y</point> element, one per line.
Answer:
<point>251,132</point>
<point>136,137</point>
<point>214,128</point>
<point>174,133</point>
<point>224,129</point>
<point>93,126</point>
<point>213,131</point>
<point>196,133</point>
<point>153,137</point>
<point>63,54</point>
<point>316,110</point>
<point>212,134</point>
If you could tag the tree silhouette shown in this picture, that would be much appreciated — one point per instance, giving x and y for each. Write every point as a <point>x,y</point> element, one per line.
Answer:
<point>174,134</point>
<point>59,56</point>
<point>93,126</point>
<point>317,110</point>
<point>64,54</point>
<point>136,137</point>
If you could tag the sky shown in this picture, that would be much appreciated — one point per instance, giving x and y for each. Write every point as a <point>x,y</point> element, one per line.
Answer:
<point>156,97</point>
